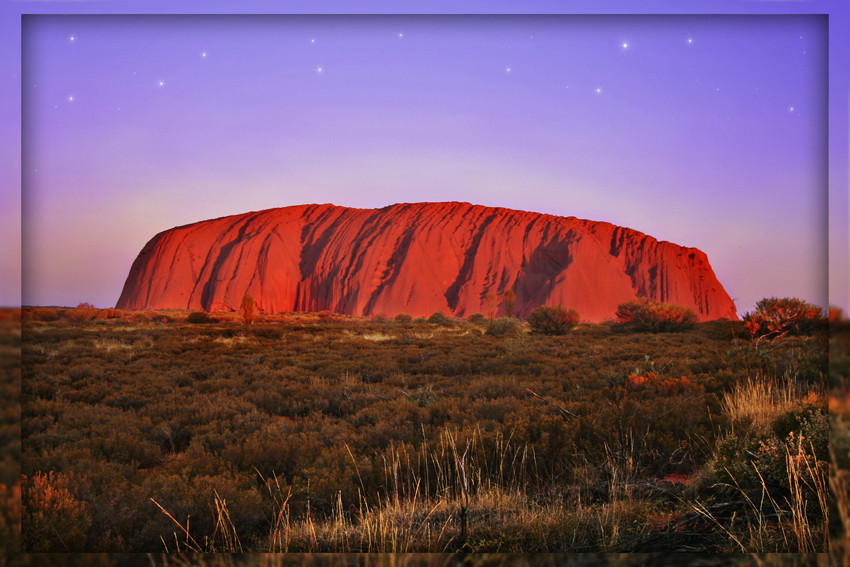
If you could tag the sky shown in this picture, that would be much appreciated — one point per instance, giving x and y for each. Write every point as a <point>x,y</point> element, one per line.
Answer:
<point>722,132</point>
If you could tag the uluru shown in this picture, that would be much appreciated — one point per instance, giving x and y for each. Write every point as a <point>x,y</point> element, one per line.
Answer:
<point>416,258</point>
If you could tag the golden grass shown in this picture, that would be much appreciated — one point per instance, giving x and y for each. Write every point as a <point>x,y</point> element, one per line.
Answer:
<point>463,506</point>
<point>494,519</point>
<point>230,341</point>
<point>110,345</point>
<point>377,337</point>
<point>759,400</point>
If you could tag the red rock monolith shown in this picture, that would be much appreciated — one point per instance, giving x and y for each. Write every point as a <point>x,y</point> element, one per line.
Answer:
<point>416,258</point>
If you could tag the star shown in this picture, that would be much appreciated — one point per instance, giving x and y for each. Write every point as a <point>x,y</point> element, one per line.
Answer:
<point>161,84</point>
<point>791,109</point>
<point>70,98</point>
<point>690,41</point>
<point>203,54</point>
<point>318,69</point>
<point>400,35</point>
<point>72,38</point>
<point>312,41</point>
<point>625,45</point>
<point>598,90</point>
<point>507,69</point>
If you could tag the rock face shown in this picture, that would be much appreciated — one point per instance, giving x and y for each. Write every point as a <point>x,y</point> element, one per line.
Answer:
<point>416,258</point>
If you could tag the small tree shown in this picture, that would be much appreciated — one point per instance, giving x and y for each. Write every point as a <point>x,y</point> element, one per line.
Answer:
<point>490,301</point>
<point>552,320</point>
<point>248,309</point>
<point>779,317</point>
<point>509,302</point>
<point>403,318</point>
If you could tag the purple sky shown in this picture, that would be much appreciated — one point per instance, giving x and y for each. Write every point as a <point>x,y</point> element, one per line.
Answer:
<point>707,131</point>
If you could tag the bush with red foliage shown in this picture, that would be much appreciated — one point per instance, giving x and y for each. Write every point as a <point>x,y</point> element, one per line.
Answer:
<point>779,317</point>
<point>53,518</point>
<point>82,313</point>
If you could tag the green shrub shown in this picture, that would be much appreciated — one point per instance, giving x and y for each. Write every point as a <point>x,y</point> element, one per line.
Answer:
<point>438,317</point>
<point>810,422</point>
<point>503,326</point>
<point>779,317</point>
<point>199,317</point>
<point>779,460</point>
<point>475,318</point>
<point>643,314</point>
<point>753,458</point>
<point>272,333</point>
<point>403,318</point>
<point>552,320</point>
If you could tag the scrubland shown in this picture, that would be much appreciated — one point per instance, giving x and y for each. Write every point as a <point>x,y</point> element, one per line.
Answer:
<point>315,433</point>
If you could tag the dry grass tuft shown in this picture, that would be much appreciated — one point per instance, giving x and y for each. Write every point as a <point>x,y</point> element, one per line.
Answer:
<point>757,401</point>
<point>377,337</point>
<point>230,341</point>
